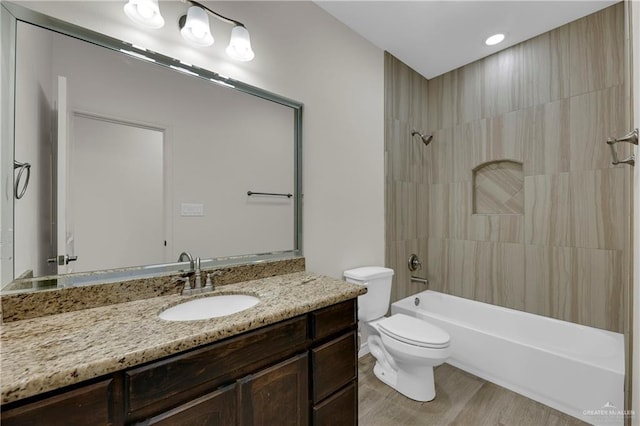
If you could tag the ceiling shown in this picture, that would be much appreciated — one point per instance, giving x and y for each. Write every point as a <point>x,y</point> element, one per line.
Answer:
<point>434,37</point>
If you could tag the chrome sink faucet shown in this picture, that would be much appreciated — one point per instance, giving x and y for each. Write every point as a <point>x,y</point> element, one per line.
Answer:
<point>184,256</point>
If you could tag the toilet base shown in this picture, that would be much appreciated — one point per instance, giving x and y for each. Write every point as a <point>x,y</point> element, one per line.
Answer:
<point>417,384</point>
<point>386,375</point>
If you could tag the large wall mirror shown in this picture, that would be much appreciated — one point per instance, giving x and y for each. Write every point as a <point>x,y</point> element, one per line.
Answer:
<point>135,158</point>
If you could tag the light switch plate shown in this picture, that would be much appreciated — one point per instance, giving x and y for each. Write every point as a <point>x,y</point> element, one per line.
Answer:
<point>191,209</point>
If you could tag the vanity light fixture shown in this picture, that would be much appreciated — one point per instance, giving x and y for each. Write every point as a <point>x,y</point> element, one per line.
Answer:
<point>194,26</point>
<point>494,39</point>
<point>145,13</point>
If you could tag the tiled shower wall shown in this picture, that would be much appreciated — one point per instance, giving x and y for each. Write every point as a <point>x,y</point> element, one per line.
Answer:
<point>548,103</point>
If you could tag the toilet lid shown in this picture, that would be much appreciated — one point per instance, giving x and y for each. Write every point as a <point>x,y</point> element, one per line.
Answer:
<point>414,331</point>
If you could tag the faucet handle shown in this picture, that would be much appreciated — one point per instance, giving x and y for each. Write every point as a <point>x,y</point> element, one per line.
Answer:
<point>208,285</point>
<point>187,283</point>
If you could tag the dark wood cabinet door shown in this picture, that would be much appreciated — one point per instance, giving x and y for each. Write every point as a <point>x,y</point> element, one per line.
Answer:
<point>215,409</point>
<point>88,405</point>
<point>340,409</point>
<point>334,365</point>
<point>278,395</point>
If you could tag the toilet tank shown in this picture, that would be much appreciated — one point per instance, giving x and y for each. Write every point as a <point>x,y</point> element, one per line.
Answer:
<point>377,279</point>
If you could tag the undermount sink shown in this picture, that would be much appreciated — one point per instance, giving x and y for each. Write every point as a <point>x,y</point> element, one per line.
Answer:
<point>209,307</point>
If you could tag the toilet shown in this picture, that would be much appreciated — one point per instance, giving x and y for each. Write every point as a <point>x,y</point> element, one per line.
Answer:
<point>405,348</point>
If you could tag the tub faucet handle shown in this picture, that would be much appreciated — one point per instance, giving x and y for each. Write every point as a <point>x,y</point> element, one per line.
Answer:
<point>414,263</point>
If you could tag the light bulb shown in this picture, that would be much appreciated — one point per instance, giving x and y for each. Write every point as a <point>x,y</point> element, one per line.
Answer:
<point>494,39</point>
<point>240,44</point>
<point>195,27</point>
<point>144,12</point>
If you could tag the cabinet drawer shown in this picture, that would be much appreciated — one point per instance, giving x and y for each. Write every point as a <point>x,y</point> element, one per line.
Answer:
<point>340,409</point>
<point>214,409</point>
<point>333,319</point>
<point>168,382</point>
<point>82,406</point>
<point>334,365</point>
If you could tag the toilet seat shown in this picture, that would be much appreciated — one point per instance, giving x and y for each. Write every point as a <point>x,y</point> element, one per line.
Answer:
<point>414,331</point>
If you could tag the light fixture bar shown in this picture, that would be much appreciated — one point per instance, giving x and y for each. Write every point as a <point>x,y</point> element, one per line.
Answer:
<point>216,14</point>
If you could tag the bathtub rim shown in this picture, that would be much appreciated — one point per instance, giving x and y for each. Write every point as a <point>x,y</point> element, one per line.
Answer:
<point>618,337</point>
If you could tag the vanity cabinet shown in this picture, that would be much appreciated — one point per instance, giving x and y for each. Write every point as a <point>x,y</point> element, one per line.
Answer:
<point>296,372</point>
<point>88,404</point>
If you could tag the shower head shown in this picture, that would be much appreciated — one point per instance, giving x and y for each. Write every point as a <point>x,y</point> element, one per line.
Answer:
<point>425,138</point>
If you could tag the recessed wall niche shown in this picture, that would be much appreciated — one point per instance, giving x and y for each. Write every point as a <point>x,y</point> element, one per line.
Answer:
<point>498,188</point>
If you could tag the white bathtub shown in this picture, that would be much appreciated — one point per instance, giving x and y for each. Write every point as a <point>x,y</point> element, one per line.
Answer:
<point>575,369</point>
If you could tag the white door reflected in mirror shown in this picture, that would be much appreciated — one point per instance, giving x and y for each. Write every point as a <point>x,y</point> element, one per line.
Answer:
<point>116,201</point>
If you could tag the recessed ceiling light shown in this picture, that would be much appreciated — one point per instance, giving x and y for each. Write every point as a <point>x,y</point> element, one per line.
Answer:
<point>494,39</point>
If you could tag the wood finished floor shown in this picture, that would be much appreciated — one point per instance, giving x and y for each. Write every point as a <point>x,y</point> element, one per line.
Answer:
<point>461,399</point>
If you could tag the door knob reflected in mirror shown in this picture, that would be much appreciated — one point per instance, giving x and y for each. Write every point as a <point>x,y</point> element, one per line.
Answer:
<point>62,259</point>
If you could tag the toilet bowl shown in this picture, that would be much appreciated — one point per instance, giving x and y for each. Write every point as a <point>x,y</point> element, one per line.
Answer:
<point>406,349</point>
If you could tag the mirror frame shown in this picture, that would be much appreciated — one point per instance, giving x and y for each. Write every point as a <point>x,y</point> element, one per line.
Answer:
<point>11,14</point>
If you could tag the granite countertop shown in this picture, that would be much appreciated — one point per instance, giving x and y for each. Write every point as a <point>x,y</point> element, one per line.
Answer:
<point>42,354</point>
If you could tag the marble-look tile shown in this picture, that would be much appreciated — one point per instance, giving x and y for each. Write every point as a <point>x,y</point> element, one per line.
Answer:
<point>549,286</point>
<point>442,162</point>
<point>499,275</point>
<point>484,271</point>
<point>545,68</point>
<point>546,147</point>
<point>466,139</point>
<point>422,210</point>
<point>435,263</point>
<point>460,209</point>
<point>559,42</point>
<point>418,95</point>
<point>405,196</point>
<point>597,275</point>
<point>442,101</point>
<point>499,228</point>
<point>459,268</point>
<point>595,117</point>
<point>547,209</point>
<point>502,75</point>
<point>575,284</point>
<point>597,50</point>
<point>439,211</point>
<point>42,354</point>
<point>505,137</point>
<point>599,211</point>
<point>397,77</point>
<point>470,92</point>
